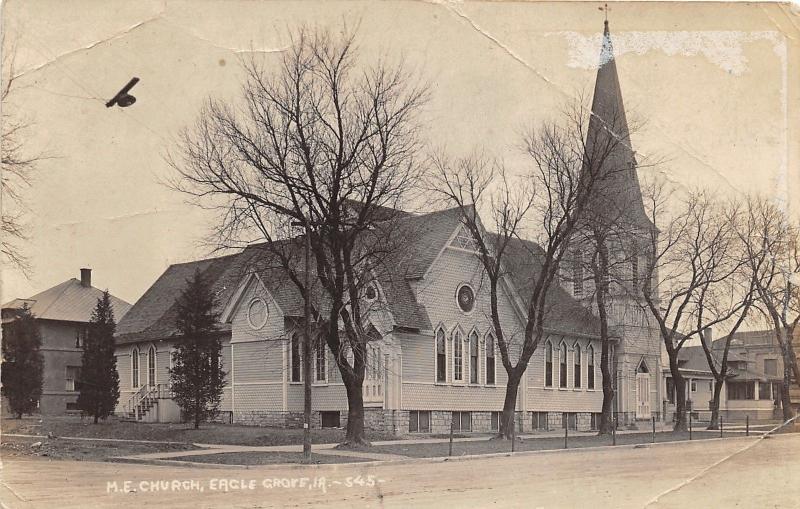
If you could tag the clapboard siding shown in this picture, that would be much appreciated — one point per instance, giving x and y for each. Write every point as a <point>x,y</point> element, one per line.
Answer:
<point>260,361</point>
<point>258,397</point>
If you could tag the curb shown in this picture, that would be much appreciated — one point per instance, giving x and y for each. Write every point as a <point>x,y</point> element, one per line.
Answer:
<point>411,461</point>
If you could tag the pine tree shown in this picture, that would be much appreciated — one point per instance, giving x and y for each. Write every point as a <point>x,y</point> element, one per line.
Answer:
<point>99,380</point>
<point>196,374</point>
<point>23,364</point>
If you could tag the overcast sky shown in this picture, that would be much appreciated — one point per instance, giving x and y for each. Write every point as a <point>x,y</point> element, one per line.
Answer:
<point>709,81</point>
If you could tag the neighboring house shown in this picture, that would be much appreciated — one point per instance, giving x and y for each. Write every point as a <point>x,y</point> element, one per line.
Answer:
<point>62,314</point>
<point>433,359</point>
<point>752,386</point>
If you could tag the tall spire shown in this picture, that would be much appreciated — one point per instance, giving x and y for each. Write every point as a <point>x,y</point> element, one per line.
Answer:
<point>621,194</point>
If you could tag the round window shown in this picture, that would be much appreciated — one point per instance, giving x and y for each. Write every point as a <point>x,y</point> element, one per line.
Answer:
<point>371,293</point>
<point>466,298</point>
<point>257,313</point>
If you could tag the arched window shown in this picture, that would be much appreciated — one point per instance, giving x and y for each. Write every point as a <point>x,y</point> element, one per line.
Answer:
<point>548,364</point>
<point>562,359</point>
<point>295,358</point>
<point>490,359</point>
<point>320,358</point>
<point>473,357</point>
<point>151,366</point>
<point>590,367</point>
<point>577,373</point>
<point>458,357</point>
<point>441,357</point>
<point>135,367</point>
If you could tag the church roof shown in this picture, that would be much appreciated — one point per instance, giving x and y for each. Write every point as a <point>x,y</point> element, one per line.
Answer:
<point>620,195</point>
<point>522,263</point>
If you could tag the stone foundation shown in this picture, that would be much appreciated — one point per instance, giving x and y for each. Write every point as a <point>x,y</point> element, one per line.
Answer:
<point>396,421</point>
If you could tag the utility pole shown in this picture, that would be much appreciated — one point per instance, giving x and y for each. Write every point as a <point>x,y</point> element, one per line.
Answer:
<point>306,347</point>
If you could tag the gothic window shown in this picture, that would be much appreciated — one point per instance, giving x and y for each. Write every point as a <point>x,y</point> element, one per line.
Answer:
<point>458,357</point>
<point>473,357</point>
<point>548,364</point>
<point>320,360</point>
<point>135,367</point>
<point>441,357</point>
<point>590,367</point>
<point>578,371</point>
<point>562,372</point>
<point>490,366</point>
<point>151,366</point>
<point>295,358</point>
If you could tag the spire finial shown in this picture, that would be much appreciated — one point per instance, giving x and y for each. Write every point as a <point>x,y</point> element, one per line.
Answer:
<point>605,9</point>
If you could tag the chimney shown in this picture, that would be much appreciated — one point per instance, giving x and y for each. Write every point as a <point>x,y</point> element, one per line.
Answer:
<point>708,336</point>
<point>86,278</point>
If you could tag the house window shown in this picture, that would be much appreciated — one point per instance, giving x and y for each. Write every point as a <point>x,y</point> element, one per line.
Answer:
<point>764,390</point>
<point>135,367</point>
<point>151,366</point>
<point>441,357</point>
<point>771,367</point>
<point>578,372</point>
<point>590,367</point>
<point>548,364</point>
<point>295,358</point>
<point>694,386</point>
<point>458,357</point>
<point>320,360</point>
<point>419,421</point>
<point>539,420</point>
<point>741,390</point>
<point>72,378</point>
<point>462,421</point>
<point>473,357</point>
<point>495,424</point>
<point>577,275</point>
<point>80,336</point>
<point>490,359</point>
<point>562,371</point>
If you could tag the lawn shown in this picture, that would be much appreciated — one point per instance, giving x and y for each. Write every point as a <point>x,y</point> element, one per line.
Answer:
<point>266,458</point>
<point>81,449</point>
<point>210,433</point>
<point>432,450</point>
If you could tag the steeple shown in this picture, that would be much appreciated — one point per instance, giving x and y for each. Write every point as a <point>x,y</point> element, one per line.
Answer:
<point>620,194</point>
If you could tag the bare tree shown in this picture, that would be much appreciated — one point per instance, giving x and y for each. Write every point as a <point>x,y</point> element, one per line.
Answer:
<point>689,256</point>
<point>548,200</point>
<point>325,143</point>
<point>16,170</point>
<point>772,244</point>
<point>717,298</point>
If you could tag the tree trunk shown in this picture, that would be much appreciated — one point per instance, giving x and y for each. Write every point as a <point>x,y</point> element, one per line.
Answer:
<point>606,417</point>
<point>510,404</point>
<point>355,412</point>
<point>788,363</point>
<point>680,393</point>
<point>714,424</point>
<point>95,418</point>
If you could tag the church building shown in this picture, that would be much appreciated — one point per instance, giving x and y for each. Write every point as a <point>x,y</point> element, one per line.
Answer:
<point>434,360</point>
